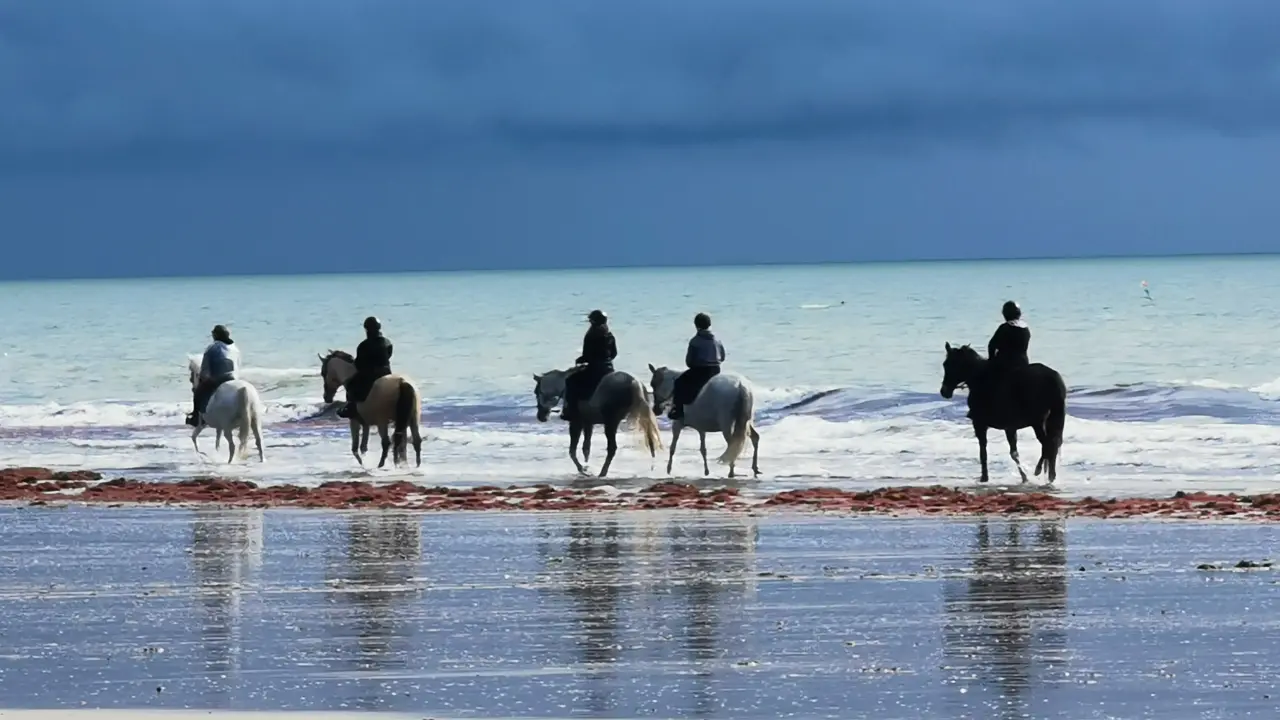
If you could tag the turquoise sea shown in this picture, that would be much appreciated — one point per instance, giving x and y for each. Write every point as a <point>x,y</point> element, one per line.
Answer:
<point>1171,394</point>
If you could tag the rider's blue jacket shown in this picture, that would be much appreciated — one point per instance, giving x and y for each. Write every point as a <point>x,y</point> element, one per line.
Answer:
<point>221,361</point>
<point>704,351</point>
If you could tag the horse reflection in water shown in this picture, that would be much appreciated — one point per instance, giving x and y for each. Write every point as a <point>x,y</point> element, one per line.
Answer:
<point>621,584</point>
<point>226,550</point>
<point>374,578</point>
<point>1004,630</point>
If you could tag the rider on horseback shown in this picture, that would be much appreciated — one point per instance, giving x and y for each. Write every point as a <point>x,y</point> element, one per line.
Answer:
<point>373,361</point>
<point>598,352</point>
<point>1007,350</point>
<point>703,359</point>
<point>220,363</point>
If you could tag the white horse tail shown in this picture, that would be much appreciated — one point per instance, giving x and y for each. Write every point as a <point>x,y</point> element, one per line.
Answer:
<point>641,414</point>
<point>248,413</point>
<point>255,423</point>
<point>743,410</point>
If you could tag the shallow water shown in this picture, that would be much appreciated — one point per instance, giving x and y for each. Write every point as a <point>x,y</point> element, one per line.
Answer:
<point>847,394</point>
<point>634,614</point>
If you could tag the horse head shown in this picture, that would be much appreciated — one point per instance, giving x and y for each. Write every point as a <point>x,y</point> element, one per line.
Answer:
<point>193,370</point>
<point>547,390</point>
<point>336,369</point>
<point>663,384</point>
<point>959,368</point>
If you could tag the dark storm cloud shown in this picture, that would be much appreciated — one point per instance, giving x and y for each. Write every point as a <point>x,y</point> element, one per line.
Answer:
<point>206,77</point>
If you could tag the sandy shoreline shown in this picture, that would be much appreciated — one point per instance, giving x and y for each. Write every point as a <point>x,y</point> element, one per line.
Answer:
<point>42,486</point>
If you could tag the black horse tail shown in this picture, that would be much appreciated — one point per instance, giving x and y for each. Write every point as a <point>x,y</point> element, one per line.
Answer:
<point>1057,418</point>
<point>404,411</point>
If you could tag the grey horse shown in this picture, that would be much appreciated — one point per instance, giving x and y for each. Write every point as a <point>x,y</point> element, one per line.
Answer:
<point>619,397</point>
<point>725,405</point>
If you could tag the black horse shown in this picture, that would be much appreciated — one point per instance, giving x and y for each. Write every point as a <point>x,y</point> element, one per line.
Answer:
<point>1036,397</point>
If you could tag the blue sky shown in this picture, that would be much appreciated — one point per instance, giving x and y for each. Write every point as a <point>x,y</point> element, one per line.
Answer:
<point>152,137</point>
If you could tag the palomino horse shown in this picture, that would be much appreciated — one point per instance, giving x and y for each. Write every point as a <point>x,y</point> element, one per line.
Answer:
<point>235,405</point>
<point>725,405</point>
<point>618,397</point>
<point>1037,399</point>
<point>393,398</point>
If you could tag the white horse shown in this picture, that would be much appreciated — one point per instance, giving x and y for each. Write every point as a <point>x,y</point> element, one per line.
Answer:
<point>235,406</point>
<point>725,405</point>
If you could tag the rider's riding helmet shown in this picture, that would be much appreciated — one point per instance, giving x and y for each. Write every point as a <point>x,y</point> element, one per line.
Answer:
<point>1011,311</point>
<point>702,321</point>
<point>597,317</point>
<point>221,333</point>
<point>371,324</point>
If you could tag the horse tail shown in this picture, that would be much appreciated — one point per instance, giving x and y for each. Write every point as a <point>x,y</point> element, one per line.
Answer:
<point>406,401</point>
<point>255,424</point>
<point>743,410</point>
<point>641,413</point>
<point>247,412</point>
<point>1056,421</point>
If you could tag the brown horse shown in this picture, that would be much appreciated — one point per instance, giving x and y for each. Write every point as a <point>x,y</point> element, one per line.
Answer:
<point>393,399</point>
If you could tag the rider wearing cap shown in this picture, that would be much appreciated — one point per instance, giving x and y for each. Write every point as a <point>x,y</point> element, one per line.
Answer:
<point>598,352</point>
<point>703,360</point>
<point>220,363</point>
<point>1008,347</point>
<point>373,361</point>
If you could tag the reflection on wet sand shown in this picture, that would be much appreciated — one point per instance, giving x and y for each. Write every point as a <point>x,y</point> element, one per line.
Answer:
<point>619,581</point>
<point>226,547</point>
<point>372,579</point>
<point>632,615</point>
<point>717,560</point>
<point>1003,632</point>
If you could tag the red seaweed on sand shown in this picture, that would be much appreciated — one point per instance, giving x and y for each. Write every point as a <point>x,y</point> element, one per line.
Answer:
<point>41,486</point>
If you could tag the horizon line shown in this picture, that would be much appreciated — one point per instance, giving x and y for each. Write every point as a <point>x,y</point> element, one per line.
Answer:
<point>606,267</point>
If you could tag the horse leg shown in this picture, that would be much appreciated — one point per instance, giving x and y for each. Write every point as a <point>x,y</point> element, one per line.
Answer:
<point>231,446</point>
<point>586,443</point>
<point>1042,436</point>
<point>755,451</point>
<point>611,437</point>
<point>981,432</point>
<point>386,444</point>
<point>195,433</point>
<point>575,432</point>
<point>355,442</point>
<point>676,428</point>
<point>364,439</point>
<point>702,448</point>
<point>1012,436</point>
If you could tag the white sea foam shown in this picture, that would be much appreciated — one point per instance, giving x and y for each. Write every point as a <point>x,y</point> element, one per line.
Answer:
<point>1098,457</point>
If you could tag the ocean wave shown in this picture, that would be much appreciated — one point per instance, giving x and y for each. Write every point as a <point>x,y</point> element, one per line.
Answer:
<point>1137,402</point>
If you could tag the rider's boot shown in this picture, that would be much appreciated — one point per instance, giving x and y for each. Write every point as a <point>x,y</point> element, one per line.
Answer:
<point>191,419</point>
<point>677,412</point>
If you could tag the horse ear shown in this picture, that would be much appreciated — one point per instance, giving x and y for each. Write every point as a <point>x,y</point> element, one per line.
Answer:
<point>320,356</point>
<point>537,378</point>
<point>652,369</point>
<point>948,347</point>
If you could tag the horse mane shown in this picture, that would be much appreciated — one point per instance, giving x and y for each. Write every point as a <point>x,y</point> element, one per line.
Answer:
<point>343,355</point>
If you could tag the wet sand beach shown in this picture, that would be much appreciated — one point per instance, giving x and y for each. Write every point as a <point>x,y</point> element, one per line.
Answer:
<point>666,613</point>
